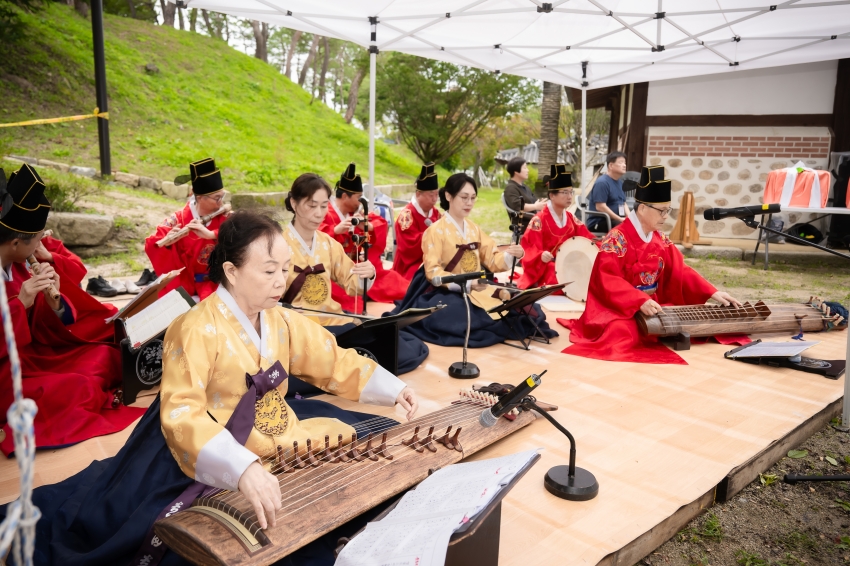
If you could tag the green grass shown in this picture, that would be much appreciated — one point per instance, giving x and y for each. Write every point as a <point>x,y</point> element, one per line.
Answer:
<point>206,100</point>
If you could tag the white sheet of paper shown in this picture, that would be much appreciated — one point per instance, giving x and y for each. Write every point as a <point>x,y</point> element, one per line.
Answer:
<point>774,349</point>
<point>155,318</point>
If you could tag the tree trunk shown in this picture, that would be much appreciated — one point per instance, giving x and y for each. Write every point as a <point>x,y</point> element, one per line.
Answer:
<point>310,56</point>
<point>293,45</point>
<point>81,7</point>
<point>353,93</point>
<point>132,5</point>
<point>550,114</point>
<point>168,10</point>
<point>325,62</point>
<point>261,36</point>
<point>213,29</point>
<point>180,17</point>
<point>193,20</point>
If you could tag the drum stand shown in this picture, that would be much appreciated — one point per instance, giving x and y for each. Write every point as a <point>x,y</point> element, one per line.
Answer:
<point>516,228</point>
<point>464,369</point>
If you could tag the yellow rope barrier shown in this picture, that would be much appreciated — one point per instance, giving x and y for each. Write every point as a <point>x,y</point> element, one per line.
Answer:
<point>95,114</point>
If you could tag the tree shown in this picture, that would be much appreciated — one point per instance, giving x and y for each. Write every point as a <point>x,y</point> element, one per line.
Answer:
<point>550,114</point>
<point>168,11</point>
<point>314,45</point>
<point>325,61</point>
<point>261,36</point>
<point>137,9</point>
<point>193,20</point>
<point>293,45</point>
<point>215,24</point>
<point>439,108</point>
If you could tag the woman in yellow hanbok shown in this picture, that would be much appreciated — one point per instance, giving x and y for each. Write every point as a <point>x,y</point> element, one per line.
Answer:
<point>453,245</point>
<point>318,260</point>
<point>226,367</point>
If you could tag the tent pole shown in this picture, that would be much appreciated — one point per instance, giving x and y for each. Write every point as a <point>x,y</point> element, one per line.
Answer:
<point>583,139</point>
<point>373,67</point>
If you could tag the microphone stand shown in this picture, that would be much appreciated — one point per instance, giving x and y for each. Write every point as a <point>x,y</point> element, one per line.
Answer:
<point>567,482</point>
<point>753,223</point>
<point>516,228</point>
<point>464,369</point>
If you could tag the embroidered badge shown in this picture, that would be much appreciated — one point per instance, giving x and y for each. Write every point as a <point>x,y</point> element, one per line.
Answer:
<point>614,243</point>
<point>469,262</point>
<point>314,291</point>
<point>405,219</point>
<point>270,414</point>
<point>536,224</point>
<point>650,277</point>
<point>665,240</point>
<point>206,252</point>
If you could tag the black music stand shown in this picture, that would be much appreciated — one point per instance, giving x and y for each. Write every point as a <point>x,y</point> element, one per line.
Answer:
<point>523,303</point>
<point>380,335</point>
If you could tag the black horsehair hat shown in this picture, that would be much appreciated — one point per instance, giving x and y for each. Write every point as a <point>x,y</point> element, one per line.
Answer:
<point>350,181</point>
<point>653,188</point>
<point>559,178</point>
<point>427,179</point>
<point>24,206</point>
<point>206,179</point>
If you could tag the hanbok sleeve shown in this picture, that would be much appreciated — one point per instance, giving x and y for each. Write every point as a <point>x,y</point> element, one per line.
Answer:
<point>533,268</point>
<point>203,448</point>
<point>432,249</point>
<point>491,257</point>
<point>340,270</point>
<point>166,258</point>
<point>316,358</point>
<point>579,229</point>
<point>65,261</point>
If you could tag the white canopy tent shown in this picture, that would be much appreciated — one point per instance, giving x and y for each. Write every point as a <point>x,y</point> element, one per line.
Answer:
<point>577,43</point>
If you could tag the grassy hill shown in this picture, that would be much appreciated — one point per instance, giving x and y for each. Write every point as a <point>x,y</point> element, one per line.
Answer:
<point>207,99</point>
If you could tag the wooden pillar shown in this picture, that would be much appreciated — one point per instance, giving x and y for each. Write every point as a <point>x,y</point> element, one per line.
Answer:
<point>614,130</point>
<point>841,108</point>
<point>636,145</point>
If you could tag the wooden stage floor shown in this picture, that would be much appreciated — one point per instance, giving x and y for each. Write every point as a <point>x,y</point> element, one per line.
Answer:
<point>663,441</point>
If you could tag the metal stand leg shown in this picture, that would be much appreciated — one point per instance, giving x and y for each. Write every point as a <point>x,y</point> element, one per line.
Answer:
<point>758,241</point>
<point>766,242</point>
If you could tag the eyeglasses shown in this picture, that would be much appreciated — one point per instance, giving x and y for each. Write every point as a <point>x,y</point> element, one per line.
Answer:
<point>568,192</point>
<point>468,200</point>
<point>217,199</point>
<point>664,211</point>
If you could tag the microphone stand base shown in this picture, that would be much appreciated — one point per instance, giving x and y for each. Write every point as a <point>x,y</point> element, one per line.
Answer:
<point>464,370</point>
<point>582,487</point>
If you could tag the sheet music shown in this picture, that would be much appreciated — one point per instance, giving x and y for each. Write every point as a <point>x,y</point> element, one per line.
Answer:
<point>146,291</point>
<point>155,318</point>
<point>774,349</point>
<point>417,531</point>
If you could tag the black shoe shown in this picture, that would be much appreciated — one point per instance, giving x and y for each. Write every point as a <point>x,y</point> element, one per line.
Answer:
<point>99,286</point>
<point>147,278</point>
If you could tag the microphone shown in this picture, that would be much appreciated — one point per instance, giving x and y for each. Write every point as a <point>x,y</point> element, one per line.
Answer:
<point>459,278</point>
<point>740,212</point>
<point>514,397</point>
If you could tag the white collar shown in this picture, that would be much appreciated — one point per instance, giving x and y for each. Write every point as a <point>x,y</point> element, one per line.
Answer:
<point>462,230</point>
<point>309,250</point>
<point>419,208</point>
<point>6,273</point>
<point>562,221</point>
<point>638,228</point>
<point>249,329</point>
<point>338,211</point>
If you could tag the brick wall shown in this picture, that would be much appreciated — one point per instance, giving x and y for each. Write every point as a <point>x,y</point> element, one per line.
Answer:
<point>786,147</point>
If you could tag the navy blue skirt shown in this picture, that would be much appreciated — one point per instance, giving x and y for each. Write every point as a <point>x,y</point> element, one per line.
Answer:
<point>447,327</point>
<point>101,515</point>
<point>411,350</point>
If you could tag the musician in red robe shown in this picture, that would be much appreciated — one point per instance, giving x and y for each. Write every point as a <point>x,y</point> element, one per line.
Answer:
<point>71,380</point>
<point>638,269</point>
<point>550,228</point>
<point>91,314</point>
<point>192,252</point>
<point>412,222</point>
<point>343,224</point>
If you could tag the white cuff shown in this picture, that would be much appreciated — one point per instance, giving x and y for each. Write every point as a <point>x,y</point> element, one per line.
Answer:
<point>222,461</point>
<point>382,388</point>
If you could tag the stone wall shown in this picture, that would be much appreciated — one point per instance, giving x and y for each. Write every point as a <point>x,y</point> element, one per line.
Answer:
<point>728,167</point>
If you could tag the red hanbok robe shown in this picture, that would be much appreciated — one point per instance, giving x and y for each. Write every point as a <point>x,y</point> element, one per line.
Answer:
<point>90,314</point>
<point>628,271</point>
<point>70,379</point>
<point>409,227</point>
<point>389,286</point>
<point>543,234</point>
<point>191,252</point>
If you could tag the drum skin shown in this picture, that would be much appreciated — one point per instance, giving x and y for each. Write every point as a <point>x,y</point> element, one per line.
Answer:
<point>574,262</point>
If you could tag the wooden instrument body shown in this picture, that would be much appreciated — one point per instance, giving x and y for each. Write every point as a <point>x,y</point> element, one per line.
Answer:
<point>711,320</point>
<point>573,264</point>
<point>170,238</point>
<point>204,539</point>
<point>36,268</point>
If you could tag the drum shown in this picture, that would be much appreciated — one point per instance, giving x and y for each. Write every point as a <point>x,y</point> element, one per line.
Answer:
<point>573,263</point>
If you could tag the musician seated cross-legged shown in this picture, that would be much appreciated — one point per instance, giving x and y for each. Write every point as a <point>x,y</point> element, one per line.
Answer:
<point>71,379</point>
<point>213,427</point>
<point>453,245</point>
<point>412,222</point>
<point>638,269</point>
<point>318,262</point>
<point>550,228</point>
<point>344,223</point>
<point>196,229</point>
